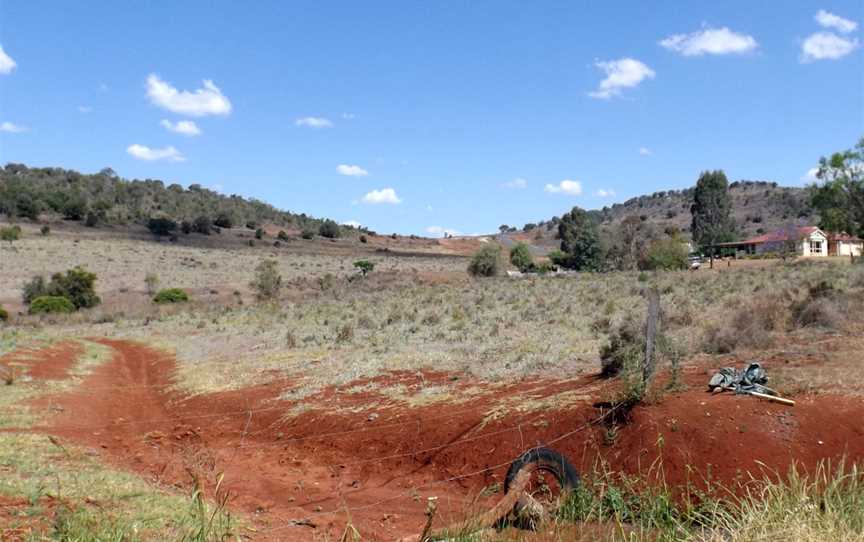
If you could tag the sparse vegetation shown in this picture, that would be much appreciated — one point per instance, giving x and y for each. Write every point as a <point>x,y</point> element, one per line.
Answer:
<point>268,281</point>
<point>10,234</point>
<point>364,266</point>
<point>77,285</point>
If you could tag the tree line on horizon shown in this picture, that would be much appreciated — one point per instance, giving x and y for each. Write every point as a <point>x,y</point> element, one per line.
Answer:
<point>106,198</point>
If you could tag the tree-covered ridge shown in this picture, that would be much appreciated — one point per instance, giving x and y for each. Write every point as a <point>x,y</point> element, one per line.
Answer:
<point>104,197</point>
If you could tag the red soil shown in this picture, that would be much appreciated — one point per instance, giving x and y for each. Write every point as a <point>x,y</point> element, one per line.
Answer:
<point>377,468</point>
<point>52,363</point>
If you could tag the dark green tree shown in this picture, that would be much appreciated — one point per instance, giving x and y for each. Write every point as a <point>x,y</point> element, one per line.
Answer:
<point>329,229</point>
<point>520,257</point>
<point>580,241</point>
<point>712,211</point>
<point>839,194</point>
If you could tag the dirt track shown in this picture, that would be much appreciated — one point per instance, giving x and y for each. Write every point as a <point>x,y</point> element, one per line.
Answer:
<point>380,466</point>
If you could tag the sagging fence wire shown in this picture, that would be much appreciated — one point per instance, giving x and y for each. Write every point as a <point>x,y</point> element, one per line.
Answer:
<point>345,510</point>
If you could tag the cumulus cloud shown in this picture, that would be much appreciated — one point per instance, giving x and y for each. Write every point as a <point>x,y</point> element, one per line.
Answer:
<point>184,127</point>
<point>143,152</point>
<point>826,46</point>
<point>571,188</point>
<point>829,20</point>
<point>710,41</point>
<point>438,231</point>
<point>352,223</point>
<point>620,74</point>
<point>6,62</point>
<point>198,103</point>
<point>645,151</point>
<point>12,128</point>
<point>604,193</point>
<point>517,184</point>
<point>351,171</point>
<point>314,122</point>
<point>385,195</point>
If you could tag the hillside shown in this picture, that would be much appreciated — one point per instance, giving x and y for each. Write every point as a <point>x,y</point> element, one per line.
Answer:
<point>105,198</point>
<point>758,207</point>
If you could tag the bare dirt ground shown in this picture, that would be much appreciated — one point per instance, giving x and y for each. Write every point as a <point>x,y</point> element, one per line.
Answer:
<point>304,477</point>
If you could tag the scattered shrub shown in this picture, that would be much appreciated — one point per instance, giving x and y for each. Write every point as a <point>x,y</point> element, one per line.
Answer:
<point>625,349</point>
<point>363,239</point>
<point>308,234</point>
<point>161,226</point>
<point>345,334</point>
<point>171,295</point>
<point>251,225</point>
<point>520,257</point>
<point>282,236</point>
<point>364,266</point>
<point>51,304</point>
<point>9,234</point>
<point>329,229</point>
<point>486,262</point>
<point>267,281</point>
<point>186,227</point>
<point>77,285</point>
<point>45,230</point>
<point>92,220</point>
<point>4,314</point>
<point>666,254</point>
<point>151,281</point>
<point>259,233</point>
<point>202,225</point>
<point>223,221</point>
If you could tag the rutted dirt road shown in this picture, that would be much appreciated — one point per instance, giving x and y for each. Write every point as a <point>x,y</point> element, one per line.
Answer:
<point>302,477</point>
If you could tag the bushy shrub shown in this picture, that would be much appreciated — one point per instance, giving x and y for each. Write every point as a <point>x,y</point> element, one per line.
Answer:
<point>625,349</point>
<point>223,221</point>
<point>9,234</point>
<point>171,295</point>
<point>751,326</point>
<point>92,220</point>
<point>77,285</point>
<point>4,314</point>
<point>267,281</point>
<point>363,239</point>
<point>259,233</point>
<point>202,225</point>
<point>364,266</point>
<point>666,254</point>
<point>308,234</point>
<point>45,230</point>
<point>50,304</point>
<point>558,258</point>
<point>824,306</point>
<point>520,257</point>
<point>329,229</point>
<point>486,262</point>
<point>282,236</point>
<point>161,226</point>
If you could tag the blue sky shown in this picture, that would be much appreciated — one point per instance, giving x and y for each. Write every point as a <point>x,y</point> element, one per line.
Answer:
<point>462,115</point>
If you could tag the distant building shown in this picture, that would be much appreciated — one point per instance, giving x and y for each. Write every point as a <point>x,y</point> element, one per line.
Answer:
<point>808,241</point>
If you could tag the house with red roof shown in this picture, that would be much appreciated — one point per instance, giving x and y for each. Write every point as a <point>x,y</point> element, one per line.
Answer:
<point>807,241</point>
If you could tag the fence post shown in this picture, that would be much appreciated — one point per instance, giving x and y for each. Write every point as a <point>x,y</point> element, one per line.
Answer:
<point>650,337</point>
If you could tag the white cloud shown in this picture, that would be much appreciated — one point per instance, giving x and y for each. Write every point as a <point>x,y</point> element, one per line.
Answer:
<point>352,223</point>
<point>385,195</point>
<point>829,20</point>
<point>12,128</point>
<point>571,188</point>
<point>351,171</point>
<point>349,116</point>
<point>518,183</point>
<point>198,103</point>
<point>85,109</point>
<point>710,41</point>
<point>314,122</point>
<point>143,152</point>
<point>6,62</point>
<point>439,231</point>
<point>810,176</point>
<point>645,151</point>
<point>826,46</point>
<point>604,193</point>
<point>185,127</point>
<point>620,74</point>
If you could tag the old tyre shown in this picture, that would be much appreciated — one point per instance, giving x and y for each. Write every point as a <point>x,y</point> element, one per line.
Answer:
<point>552,478</point>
